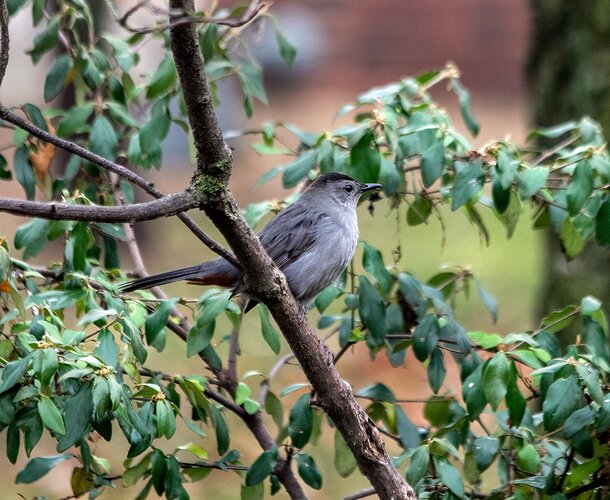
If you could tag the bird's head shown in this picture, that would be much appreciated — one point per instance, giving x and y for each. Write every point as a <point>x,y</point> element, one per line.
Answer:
<point>339,188</point>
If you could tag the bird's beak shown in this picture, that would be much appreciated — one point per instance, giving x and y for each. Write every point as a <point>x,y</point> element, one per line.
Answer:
<point>370,187</point>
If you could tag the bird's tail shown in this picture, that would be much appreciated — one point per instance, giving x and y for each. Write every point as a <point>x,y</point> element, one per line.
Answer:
<point>216,272</point>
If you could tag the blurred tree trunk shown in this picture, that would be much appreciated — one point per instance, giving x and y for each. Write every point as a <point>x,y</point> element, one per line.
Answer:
<point>569,72</point>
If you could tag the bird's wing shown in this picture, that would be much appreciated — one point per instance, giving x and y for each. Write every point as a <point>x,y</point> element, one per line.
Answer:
<point>291,234</point>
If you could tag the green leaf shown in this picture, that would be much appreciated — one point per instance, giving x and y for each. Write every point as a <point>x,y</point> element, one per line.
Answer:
<point>107,349</point>
<point>46,39</point>
<point>242,391</point>
<point>407,431</point>
<point>326,297</point>
<point>32,236</point>
<point>256,492</point>
<point>465,107</point>
<point>78,411</point>
<point>449,475</point>
<point>436,370</point>
<point>51,418</point>
<point>300,423</point>
<point>295,172</point>
<point>24,173</point>
<point>528,458</point>
<point>580,187</point>
<point>5,174</point>
<point>262,467</point>
<point>572,241</point>
<point>602,224</point>
<point>13,440</point>
<point>555,131</point>
<point>155,323</point>
<point>425,337</point>
<point>166,419</point>
<point>433,162</point>
<point>372,312</point>
<point>75,120</point>
<point>163,79</point>
<point>468,183</point>
<point>496,373</point>
<point>485,340</point>
<point>120,114</point>
<point>199,338</point>
<point>345,463</point>
<point>100,396</point>
<point>287,50</point>
<point>473,394</point>
<point>531,181</point>
<point>559,320</point>
<point>158,471</point>
<point>38,467</point>
<point>501,197</point>
<point>562,398</point>
<point>308,470</point>
<point>485,450</point>
<point>419,211</point>
<point>590,377</point>
<point>222,431</point>
<point>578,421</point>
<point>372,261</point>
<point>365,158</point>
<point>269,333</point>
<point>103,138</point>
<point>12,373</point>
<point>56,78</point>
<point>273,406</point>
<point>45,363</point>
<point>418,466</point>
<point>173,480</point>
<point>154,131</point>
<point>377,392</point>
<point>507,168</point>
<point>251,78</point>
<point>514,399</point>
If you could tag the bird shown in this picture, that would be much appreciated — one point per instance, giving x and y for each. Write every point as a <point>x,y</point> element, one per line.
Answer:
<point>312,241</point>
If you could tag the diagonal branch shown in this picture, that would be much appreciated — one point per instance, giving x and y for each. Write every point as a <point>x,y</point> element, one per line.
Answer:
<point>263,277</point>
<point>108,165</point>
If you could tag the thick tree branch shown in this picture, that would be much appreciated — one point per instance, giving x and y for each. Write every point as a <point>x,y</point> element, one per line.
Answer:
<point>149,210</point>
<point>263,277</point>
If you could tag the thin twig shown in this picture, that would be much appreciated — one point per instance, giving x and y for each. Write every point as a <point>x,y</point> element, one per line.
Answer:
<point>555,149</point>
<point>113,167</point>
<point>368,492</point>
<point>569,461</point>
<point>272,373</point>
<point>180,19</point>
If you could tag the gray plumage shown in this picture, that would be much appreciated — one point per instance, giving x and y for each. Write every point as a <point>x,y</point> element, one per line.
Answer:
<point>312,242</point>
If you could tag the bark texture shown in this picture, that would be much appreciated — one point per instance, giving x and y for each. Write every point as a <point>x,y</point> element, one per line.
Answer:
<point>263,277</point>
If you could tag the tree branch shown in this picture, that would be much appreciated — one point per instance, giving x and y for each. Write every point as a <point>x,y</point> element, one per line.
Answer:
<point>108,165</point>
<point>149,210</point>
<point>4,39</point>
<point>263,277</point>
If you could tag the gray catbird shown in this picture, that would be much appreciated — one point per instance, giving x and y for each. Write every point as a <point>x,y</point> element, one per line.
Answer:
<point>311,241</point>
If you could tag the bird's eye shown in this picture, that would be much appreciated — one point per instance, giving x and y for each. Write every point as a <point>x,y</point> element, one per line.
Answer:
<point>348,188</point>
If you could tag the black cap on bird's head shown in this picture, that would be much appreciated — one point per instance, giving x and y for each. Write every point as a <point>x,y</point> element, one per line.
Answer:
<point>340,187</point>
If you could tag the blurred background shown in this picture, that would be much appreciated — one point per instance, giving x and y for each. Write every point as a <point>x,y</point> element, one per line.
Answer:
<point>344,48</point>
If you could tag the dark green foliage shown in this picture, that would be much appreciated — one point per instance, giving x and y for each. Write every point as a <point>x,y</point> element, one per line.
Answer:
<point>75,353</point>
